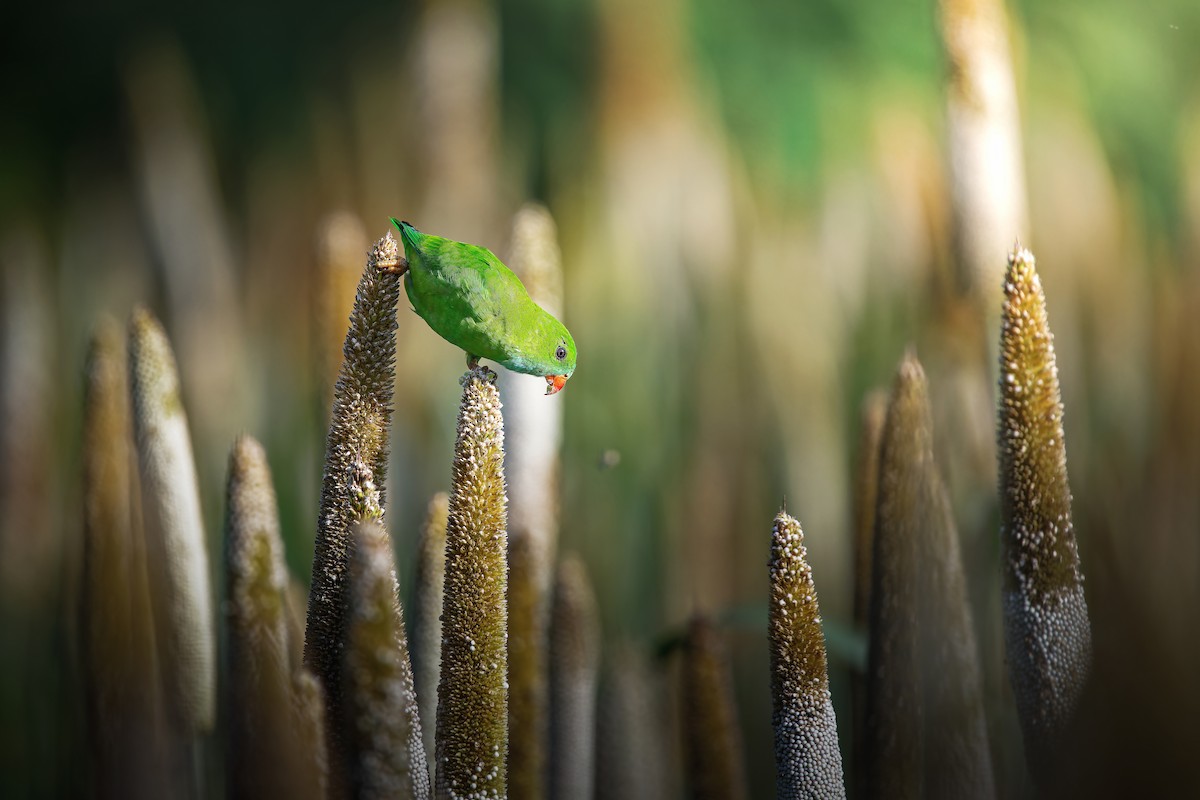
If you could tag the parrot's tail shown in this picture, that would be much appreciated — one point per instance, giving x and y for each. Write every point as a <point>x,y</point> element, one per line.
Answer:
<point>407,232</point>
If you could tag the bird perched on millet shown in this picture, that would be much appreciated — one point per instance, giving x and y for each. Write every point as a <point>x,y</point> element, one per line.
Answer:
<point>473,301</point>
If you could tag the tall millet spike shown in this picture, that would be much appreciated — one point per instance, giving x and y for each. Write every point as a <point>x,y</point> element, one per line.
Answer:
<point>633,737</point>
<point>175,176</point>
<point>1047,635</point>
<point>358,430</point>
<point>893,745</point>
<point>925,731</point>
<point>866,491</point>
<point>259,700</point>
<point>712,739</point>
<point>308,716</point>
<point>116,623</point>
<point>983,140</point>
<point>574,664</point>
<point>472,715</point>
<point>807,757</point>
<point>175,531</point>
<point>427,613</point>
<point>534,433</point>
<point>384,725</point>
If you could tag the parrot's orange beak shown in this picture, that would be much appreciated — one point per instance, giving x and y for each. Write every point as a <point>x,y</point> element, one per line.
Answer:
<point>555,383</point>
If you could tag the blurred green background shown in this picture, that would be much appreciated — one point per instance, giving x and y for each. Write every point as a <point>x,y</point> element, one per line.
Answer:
<point>754,213</point>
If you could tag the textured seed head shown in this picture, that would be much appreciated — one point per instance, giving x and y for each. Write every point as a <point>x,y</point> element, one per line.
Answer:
<point>363,494</point>
<point>712,738</point>
<point>574,662</point>
<point>806,743</point>
<point>866,491</point>
<point>308,715</point>
<point>925,728</point>
<point>118,647</point>
<point>358,431</point>
<point>427,633</point>
<point>388,752</point>
<point>1047,633</point>
<point>259,710</point>
<point>472,720</point>
<point>175,530</point>
<point>108,534</point>
<point>254,556</point>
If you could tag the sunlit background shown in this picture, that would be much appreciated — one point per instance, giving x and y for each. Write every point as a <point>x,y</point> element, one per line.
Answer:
<point>754,204</point>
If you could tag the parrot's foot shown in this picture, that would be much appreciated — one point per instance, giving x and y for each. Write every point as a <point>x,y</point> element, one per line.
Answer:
<point>477,373</point>
<point>399,266</point>
<point>472,361</point>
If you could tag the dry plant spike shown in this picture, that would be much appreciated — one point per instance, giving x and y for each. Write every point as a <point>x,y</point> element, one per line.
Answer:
<point>534,434</point>
<point>308,716</point>
<point>984,140</point>
<point>389,754</point>
<point>712,740</point>
<point>358,431</point>
<point>259,700</point>
<point>631,751</point>
<point>894,747</point>
<point>175,172</point>
<point>1048,639</point>
<point>866,493</point>
<point>528,693</point>
<point>807,757</point>
<point>574,665</point>
<point>175,530</point>
<point>472,715</point>
<point>958,760</point>
<point>117,625</point>
<point>427,633</point>
<point>925,731</point>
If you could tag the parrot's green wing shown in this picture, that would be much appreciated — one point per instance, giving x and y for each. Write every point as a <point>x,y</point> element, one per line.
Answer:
<point>465,294</point>
<point>475,302</point>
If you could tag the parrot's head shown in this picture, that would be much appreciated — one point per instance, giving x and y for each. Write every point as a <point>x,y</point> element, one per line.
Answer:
<point>561,362</point>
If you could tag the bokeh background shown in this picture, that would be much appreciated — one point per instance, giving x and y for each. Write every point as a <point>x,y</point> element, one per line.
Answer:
<point>756,218</point>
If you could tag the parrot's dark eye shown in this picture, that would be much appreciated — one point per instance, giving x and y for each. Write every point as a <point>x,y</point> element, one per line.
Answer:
<point>560,353</point>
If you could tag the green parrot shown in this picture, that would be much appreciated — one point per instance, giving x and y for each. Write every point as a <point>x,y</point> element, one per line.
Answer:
<point>473,301</point>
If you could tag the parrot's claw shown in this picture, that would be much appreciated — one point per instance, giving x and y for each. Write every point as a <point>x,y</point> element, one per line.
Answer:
<point>484,374</point>
<point>396,267</point>
<point>472,361</point>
